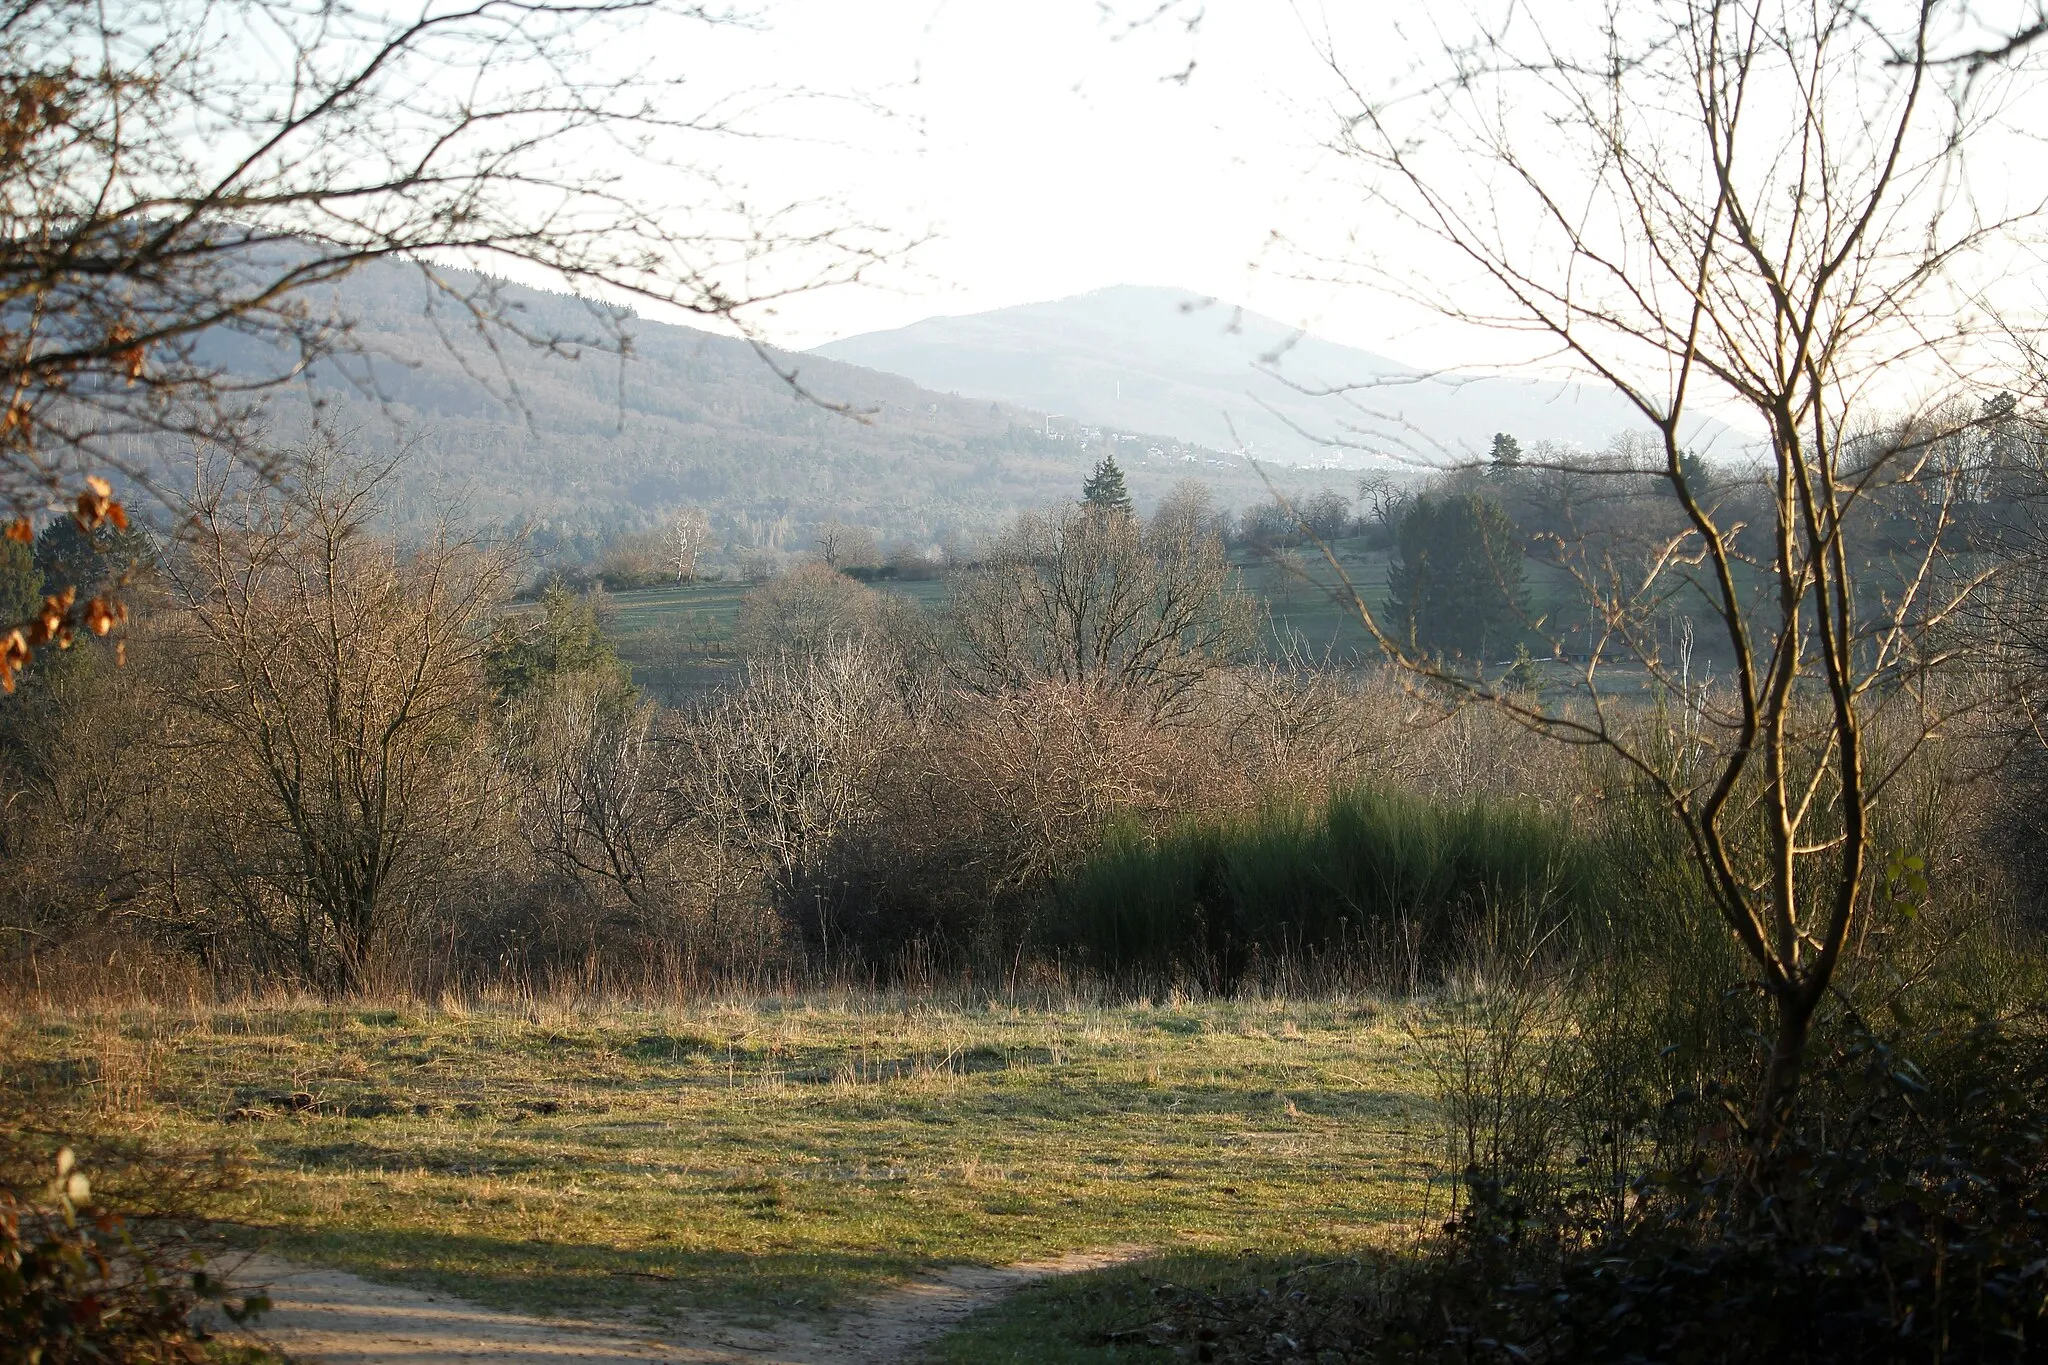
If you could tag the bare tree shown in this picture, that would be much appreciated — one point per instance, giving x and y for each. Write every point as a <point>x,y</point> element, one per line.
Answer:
<point>1384,501</point>
<point>688,537</point>
<point>1096,599</point>
<point>180,180</point>
<point>337,692</point>
<point>847,547</point>
<point>1764,206</point>
<point>584,754</point>
<point>811,610</point>
<point>785,771</point>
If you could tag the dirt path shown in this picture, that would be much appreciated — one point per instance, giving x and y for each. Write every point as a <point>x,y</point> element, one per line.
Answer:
<point>333,1318</point>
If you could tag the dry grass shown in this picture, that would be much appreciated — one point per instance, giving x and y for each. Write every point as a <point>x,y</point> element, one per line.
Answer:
<point>778,1154</point>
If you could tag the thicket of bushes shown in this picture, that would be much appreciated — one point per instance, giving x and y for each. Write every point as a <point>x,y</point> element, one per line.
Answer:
<point>842,812</point>
<point>335,763</point>
<point>1600,1195</point>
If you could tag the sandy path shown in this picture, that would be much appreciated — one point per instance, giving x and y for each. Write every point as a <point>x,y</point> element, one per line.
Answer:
<point>333,1318</point>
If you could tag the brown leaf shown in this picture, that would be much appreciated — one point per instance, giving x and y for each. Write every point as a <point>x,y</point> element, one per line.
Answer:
<point>95,504</point>
<point>14,655</point>
<point>129,356</point>
<point>102,616</point>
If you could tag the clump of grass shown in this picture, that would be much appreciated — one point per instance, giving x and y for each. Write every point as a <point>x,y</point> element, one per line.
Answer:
<point>1381,878</point>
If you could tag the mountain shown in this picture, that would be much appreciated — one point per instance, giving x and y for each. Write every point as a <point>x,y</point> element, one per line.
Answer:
<point>1169,361</point>
<point>579,445</point>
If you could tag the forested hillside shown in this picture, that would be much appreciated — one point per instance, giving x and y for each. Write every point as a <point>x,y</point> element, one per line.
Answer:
<point>582,446</point>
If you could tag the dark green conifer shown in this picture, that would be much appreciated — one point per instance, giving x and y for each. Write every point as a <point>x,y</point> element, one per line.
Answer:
<point>1105,488</point>
<point>564,637</point>
<point>1455,585</point>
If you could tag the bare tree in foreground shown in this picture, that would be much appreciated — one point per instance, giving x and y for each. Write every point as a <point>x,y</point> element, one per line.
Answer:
<point>180,180</point>
<point>1762,206</point>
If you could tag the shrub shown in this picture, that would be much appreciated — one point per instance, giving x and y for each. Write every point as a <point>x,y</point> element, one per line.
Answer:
<point>79,1282</point>
<point>1379,877</point>
<point>1906,1219</point>
<point>1903,1221</point>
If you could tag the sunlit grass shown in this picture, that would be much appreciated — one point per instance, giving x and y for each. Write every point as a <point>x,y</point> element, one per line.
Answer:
<point>767,1157</point>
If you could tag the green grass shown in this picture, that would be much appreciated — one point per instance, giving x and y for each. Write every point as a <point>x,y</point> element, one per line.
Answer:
<point>764,1158</point>
<point>679,639</point>
<point>708,607</point>
<point>1309,607</point>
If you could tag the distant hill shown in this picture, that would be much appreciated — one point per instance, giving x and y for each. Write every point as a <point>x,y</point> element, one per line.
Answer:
<point>580,448</point>
<point>1168,361</point>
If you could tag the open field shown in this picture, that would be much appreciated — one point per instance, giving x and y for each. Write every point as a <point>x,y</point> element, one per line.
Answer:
<point>766,1158</point>
<point>679,640</point>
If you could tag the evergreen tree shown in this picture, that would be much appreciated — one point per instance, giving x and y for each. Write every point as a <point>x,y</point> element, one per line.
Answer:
<point>564,637</point>
<point>21,581</point>
<point>1105,488</point>
<point>1507,451</point>
<point>1694,471</point>
<point>1456,579</point>
<point>90,561</point>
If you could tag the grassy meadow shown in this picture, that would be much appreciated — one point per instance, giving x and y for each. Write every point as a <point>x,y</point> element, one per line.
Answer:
<point>679,639</point>
<point>766,1158</point>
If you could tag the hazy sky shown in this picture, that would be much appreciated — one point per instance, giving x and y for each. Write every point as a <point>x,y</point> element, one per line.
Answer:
<point>1049,148</point>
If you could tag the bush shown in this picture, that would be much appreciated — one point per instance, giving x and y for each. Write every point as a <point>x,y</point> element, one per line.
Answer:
<point>79,1282</point>
<point>1379,878</point>
<point>1905,1221</point>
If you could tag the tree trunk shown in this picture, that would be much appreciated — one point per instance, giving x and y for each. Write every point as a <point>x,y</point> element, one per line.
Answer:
<point>1781,1075</point>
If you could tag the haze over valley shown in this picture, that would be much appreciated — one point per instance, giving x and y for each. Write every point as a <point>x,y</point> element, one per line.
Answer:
<point>1210,372</point>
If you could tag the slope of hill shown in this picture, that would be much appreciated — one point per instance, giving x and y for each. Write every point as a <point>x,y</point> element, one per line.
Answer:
<point>1165,360</point>
<point>581,447</point>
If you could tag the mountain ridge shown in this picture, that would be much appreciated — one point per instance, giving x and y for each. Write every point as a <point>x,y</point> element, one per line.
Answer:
<point>1220,375</point>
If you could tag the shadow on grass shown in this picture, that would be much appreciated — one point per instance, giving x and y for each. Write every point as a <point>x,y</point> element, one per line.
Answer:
<point>1117,1314</point>
<point>582,1279</point>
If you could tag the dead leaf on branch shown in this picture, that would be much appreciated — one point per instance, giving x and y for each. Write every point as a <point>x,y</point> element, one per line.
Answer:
<point>61,615</point>
<point>96,507</point>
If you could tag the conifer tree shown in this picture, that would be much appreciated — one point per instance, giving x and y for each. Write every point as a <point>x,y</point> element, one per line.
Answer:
<point>1455,586</point>
<point>1105,488</point>
<point>1507,451</point>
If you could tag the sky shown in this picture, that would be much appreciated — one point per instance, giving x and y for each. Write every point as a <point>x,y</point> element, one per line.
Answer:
<point>1043,148</point>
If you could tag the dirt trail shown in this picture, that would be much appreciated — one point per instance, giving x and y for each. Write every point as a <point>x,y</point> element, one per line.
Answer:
<point>333,1318</point>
